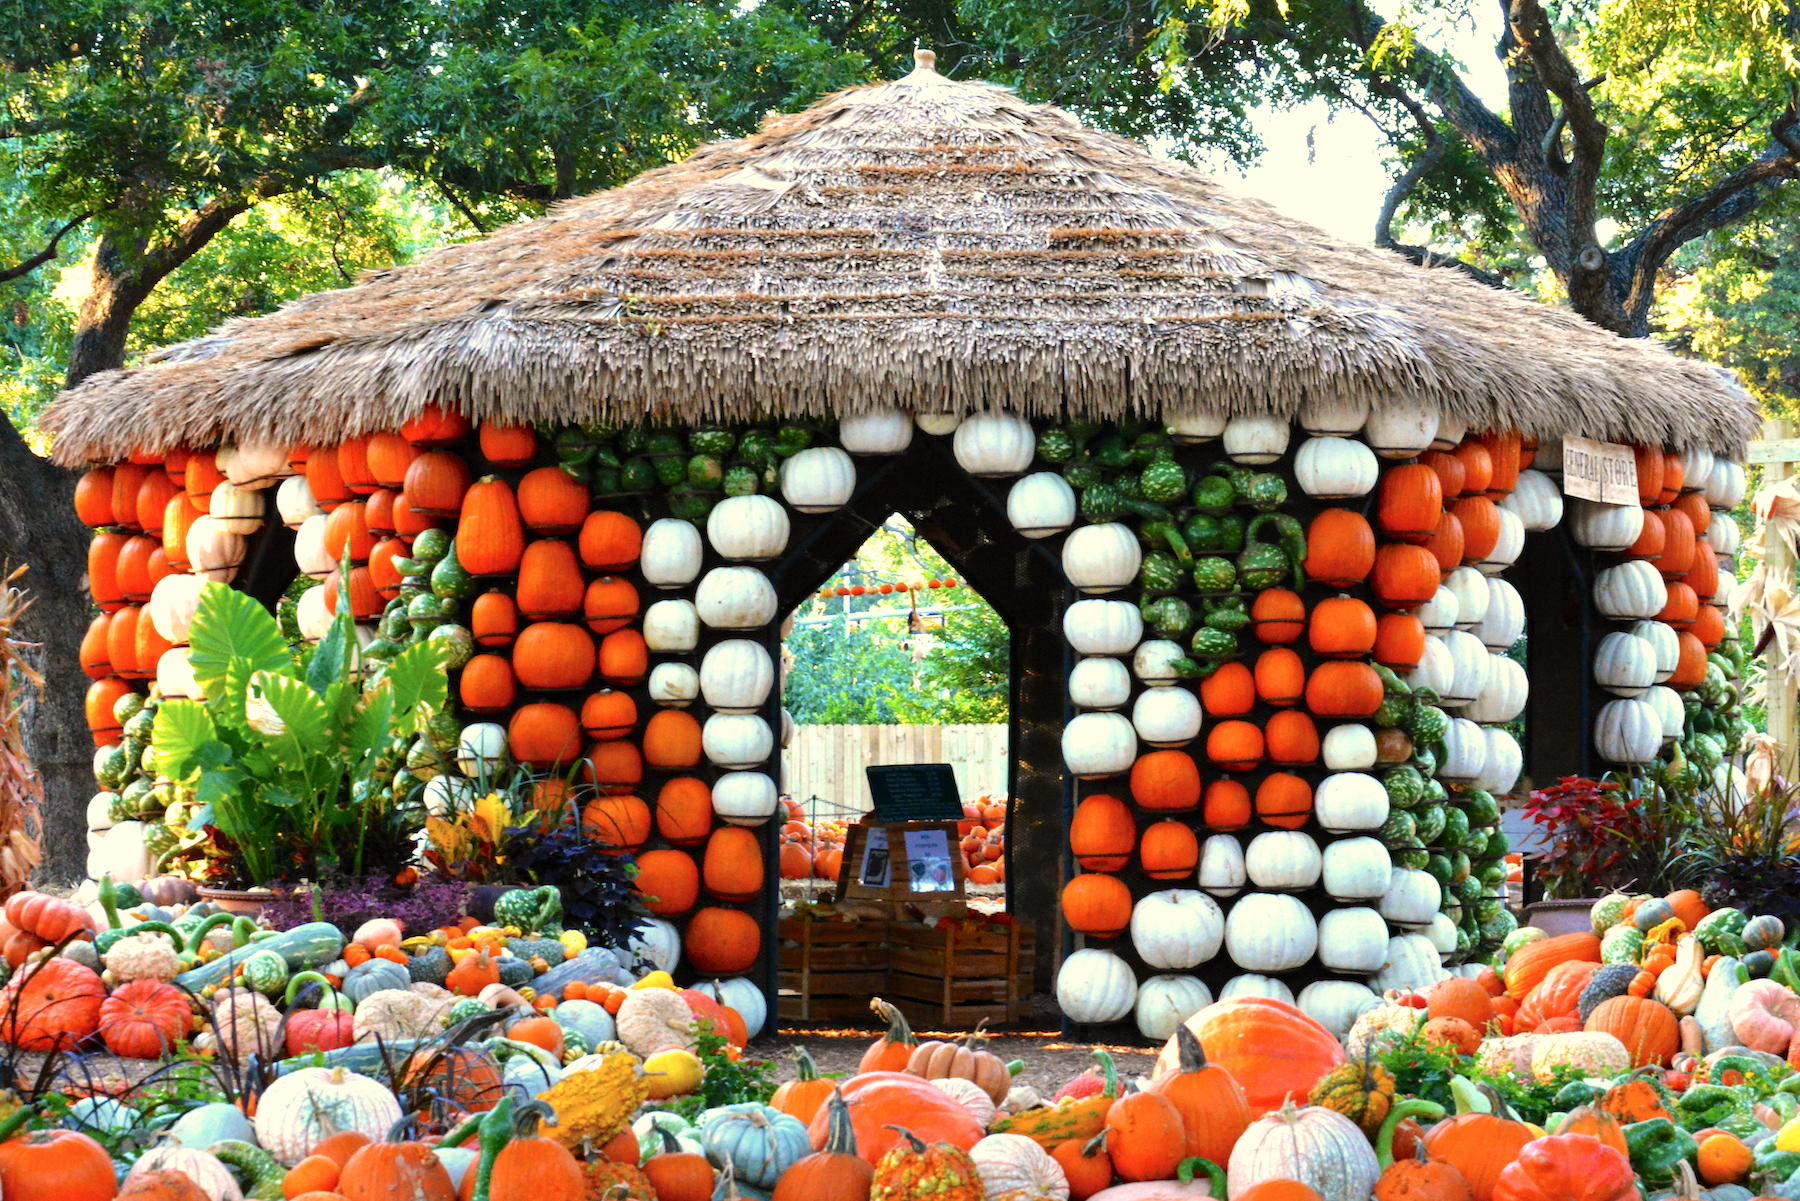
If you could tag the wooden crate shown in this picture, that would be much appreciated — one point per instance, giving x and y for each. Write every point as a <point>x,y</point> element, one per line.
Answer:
<point>948,979</point>
<point>829,970</point>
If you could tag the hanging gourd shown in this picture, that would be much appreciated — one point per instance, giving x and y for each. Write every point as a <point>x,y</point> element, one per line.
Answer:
<point>1599,526</point>
<point>994,444</point>
<point>96,660</point>
<point>550,584</point>
<point>748,529</point>
<point>1401,429</point>
<point>1330,468</point>
<point>1333,417</point>
<point>1280,677</point>
<point>1405,576</point>
<point>819,479</point>
<point>1277,616</point>
<point>1169,850</point>
<point>435,485</point>
<point>1340,549</point>
<point>435,426</point>
<point>507,445</point>
<point>1342,627</point>
<point>489,537</point>
<point>1102,833</point>
<point>1411,499</point>
<point>1399,641</point>
<point>1235,745</point>
<point>1041,504</point>
<point>1447,543</point>
<point>553,655</point>
<point>544,735</point>
<point>552,502</point>
<point>323,477</point>
<point>153,501</point>
<point>294,501</point>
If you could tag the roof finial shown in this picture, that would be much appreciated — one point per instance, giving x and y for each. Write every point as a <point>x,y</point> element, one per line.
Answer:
<point>924,60</point>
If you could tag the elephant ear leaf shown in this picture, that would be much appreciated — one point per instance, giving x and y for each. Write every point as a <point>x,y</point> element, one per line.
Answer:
<point>182,729</point>
<point>232,638</point>
<point>417,679</point>
<point>305,731</point>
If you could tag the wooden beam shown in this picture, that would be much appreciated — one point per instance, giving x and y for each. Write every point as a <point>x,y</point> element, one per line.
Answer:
<point>1773,450</point>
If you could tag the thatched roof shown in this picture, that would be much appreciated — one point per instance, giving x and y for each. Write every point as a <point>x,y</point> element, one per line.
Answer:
<point>927,243</point>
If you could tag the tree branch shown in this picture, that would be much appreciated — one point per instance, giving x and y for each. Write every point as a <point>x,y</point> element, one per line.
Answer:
<point>1419,168</point>
<point>1530,25</point>
<point>468,213</point>
<point>43,256</point>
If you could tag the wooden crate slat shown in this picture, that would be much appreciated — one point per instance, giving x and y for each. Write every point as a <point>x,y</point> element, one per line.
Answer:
<point>958,1017</point>
<point>834,959</point>
<point>832,932</point>
<point>838,984</point>
<point>932,988</point>
<point>821,1009</point>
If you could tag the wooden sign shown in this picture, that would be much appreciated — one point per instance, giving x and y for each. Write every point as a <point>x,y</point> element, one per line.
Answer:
<point>1602,471</point>
<point>915,792</point>
<point>920,862</point>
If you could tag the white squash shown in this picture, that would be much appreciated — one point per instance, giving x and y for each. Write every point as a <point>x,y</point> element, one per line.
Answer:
<point>1401,429</point>
<point>1165,1002</point>
<point>1624,664</point>
<point>1256,439</point>
<point>737,741</point>
<point>1336,468</point>
<point>310,554</point>
<point>1166,717</point>
<point>1103,627</point>
<point>1099,683</point>
<point>1442,933</point>
<point>1470,588</point>
<point>1439,615</point>
<point>1270,932</point>
<point>1628,731</point>
<point>1723,535</point>
<point>672,626</point>
<point>1102,558</point>
<point>1536,501</point>
<point>1041,504</point>
<point>294,501</point>
<point>173,603</point>
<point>1222,866</point>
<point>1697,464</point>
<point>1436,669</point>
<point>1015,1168</point>
<point>1318,1147</point>
<point>1412,898</point>
<point>1097,745</point>
<point>995,444</point>
<point>1284,860</point>
<point>744,798</point>
<point>1725,485</point>
<point>1465,751</point>
<point>1504,621</point>
<point>1504,696</point>
<point>674,685</point>
<point>657,943</point>
<point>1154,661</point>
<point>1667,703</point>
<point>737,675</point>
<point>1631,589</point>
<point>1665,644</point>
<point>1176,929</point>
<point>481,749</point>
<point>214,551</point>
<point>671,553</point>
<point>1599,526</point>
<point>1336,1004</point>
<point>1500,769</point>
<point>735,598</point>
<point>819,479</point>
<point>938,425</point>
<point>297,1111</point>
<point>1334,416</point>
<point>1357,869</point>
<point>1469,661</point>
<point>1190,429</point>
<point>311,615</point>
<point>740,994</point>
<point>1254,984</point>
<point>1412,963</point>
<point>1507,547</point>
<point>1450,433</point>
<point>1349,747</point>
<point>1350,800</point>
<point>1353,940</point>
<point>212,1177</point>
<point>253,465</point>
<point>239,510</point>
<point>1095,987</point>
<point>748,529</point>
<point>877,432</point>
<point>122,854</point>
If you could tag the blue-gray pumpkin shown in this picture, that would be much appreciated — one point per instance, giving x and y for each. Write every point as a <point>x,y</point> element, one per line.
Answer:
<point>758,1141</point>
<point>373,976</point>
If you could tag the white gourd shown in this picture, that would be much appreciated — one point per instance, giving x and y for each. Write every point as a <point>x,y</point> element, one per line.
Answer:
<point>481,749</point>
<point>122,853</point>
<point>1725,485</point>
<point>1723,535</point>
<point>1504,621</point>
<point>994,444</point>
<point>658,943</point>
<point>311,615</point>
<point>1221,869</point>
<point>1102,558</point>
<point>310,554</point>
<point>938,425</point>
<point>294,501</point>
<point>1465,751</point>
<point>1095,987</point>
<point>877,432</point>
<point>1256,439</point>
<point>674,685</point>
<point>1412,963</point>
<point>1177,928</point>
<point>1165,1002</point>
<point>1401,429</point>
<point>1336,1004</point>
<point>1357,869</point>
<point>1471,590</point>
<point>1439,614</point>
<point>744,798</point>
<point>175,675</point>
<point>1600,526</point>
<point>1318,1147</point>
<point>1504,696</point>
<point>1500,770</point>
<point>1015,1168</point>
<point>1166,717</point>
<point>1335,468</point>
<point>1270,932</point>
<point>297,1111</point>
<point>748,529</point>
<point>1284,860</point>
<point>1154,661</point>
<point>1469,661</point>
<point>671,553</point>
<point>672,626</point>
<point>1353,940</point>
<point>1335,417</point>
<point>735,598</point>
<point>1097,745</point>
<point>1254,984</point>
<point>1412,898</point>
<point>173,603</point>
<point>1436,669</point>
<point>213,550</point>
<point>737,675</point>
<point>1536,501</point>
<point>1631,589</point>
<point>1628,731</point>
<point>1667,703</point>
<point>202,1167</point>
<point>1624,664</point>
<point>819,479</point>
<point>737,741</point>
<point>1507,547</point>
<point>1350,800</point>
<point>1194,428</point>
<point>1696,466</point>
<point>1348,747</point>
<point>1450,433</point>
<point>1102,627</point>
<point>1442,933</point>
<point>254,465</point>
<point>238,510</point>
<point>1041,504</point>
<point>1099,683</point>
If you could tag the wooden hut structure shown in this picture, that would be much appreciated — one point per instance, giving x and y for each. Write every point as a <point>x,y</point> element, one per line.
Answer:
<point>933,297</point>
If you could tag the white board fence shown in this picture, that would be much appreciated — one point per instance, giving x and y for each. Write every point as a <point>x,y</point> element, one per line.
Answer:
<point>828,761</point>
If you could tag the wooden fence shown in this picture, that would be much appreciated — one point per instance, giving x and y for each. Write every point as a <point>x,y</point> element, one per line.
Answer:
<point>828,761</point>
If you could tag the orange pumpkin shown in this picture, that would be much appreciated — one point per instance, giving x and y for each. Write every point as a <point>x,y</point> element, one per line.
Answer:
<point>1556,995</point>
<point>1097,904</point>
<point>803,1096</point>
<point>1342,627</point>
<point>1449,471</point>
<point>1480,1146</point>
<point>1480,518</point>
<point>1284,800</point>
<point>552,502</point>
<point>1340,548</point>
<point>610,603</point>
<point>1409,501</point>
<point>1277,616</point>
<point>1478,466</point>
<point>1674,478</point>
<point>93,497</point>
<point>1703,574</point>
<point>608,714</point>
<point>1234,746</point>
<point>1690,664</point>
<point>347,529</point>
<point>102,695</point>
<point>1447,543</point>
<point>1678,551</point>
<point>684,811</point>
<point>672,740</point>
<point>494,619</point>
<point>1169,851</point>
<point>127,479</point>
<point>617,821</point>
<point>544,734</point>
<point>1166,780</point>
<point>554,656</point>
<point>387,456</point>
<point>435,426</point>
<point>1280,677</point>
<point>1504,450</point>
<point>507,445</point>
<point>1229,691</point>
<point>1227,805</point>
<point>1650,462</point>
<point>1648,1028</point>
<point>610,541</point>
<point>1291,739</point>
<point>1399,641</point>
<point>1102,833</point>
<point>487,684</point>
<point>724,942</point>
<point>732,868</point>
<point>323,477</point>
<point>1343,689</point>
<point>489,537</point>
<point>1527,966</point>
<point>1682,608</point>
<point>96,661</point>
<point>1214,1112</point>
<point>1271,1048</point>
<point>1405,576</point>
<point>103,569</point>
<point>615,766</point>
<point>624,658</point>
<point>1651,539</point>
<point>153,499</point>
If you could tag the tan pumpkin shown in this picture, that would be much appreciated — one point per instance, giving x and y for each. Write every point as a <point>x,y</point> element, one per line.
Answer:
<point>966,1060</point>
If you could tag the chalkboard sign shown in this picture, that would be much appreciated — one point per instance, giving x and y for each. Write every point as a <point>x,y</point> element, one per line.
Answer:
<point>915,792</point>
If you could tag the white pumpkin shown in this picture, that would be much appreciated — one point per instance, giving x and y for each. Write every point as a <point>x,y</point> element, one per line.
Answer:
<point>735,598</point>
<point>1471,590</point>
<point>1164,1003</point>
<point>1442,933</point>
<point>1599,526</point>
<point>1256,439</point>
<point>1725,485</point>
<point>1103,627</point>
<point>674,685</point>
<point>238,510</point>
<point>1285,860</point>
<point>658,943</point>
<point>1723,535</point>
<point>294,501</point>
<point>1254,984</point>
<point>122,853</point>
<point>1504,696</point>
<point>736,741</point>
<point>1439,614</point>
<point>202,1167</point>
<point>1095,987</point>
<point>748,529</point>
<point>1015,1168</point>
<point>1469,661</point>
<point>1097,745</point>
<point>1696,465</point>
<point>1270,932</point>
<point>311,615</point>
<point>672,626</point>
<point>1336,1004</point>
<point>1041,504</point>
<point>481,749</point>
<point>1667,703</point>
<point>310,554</point>
<point>938,425</point>
<point>446,794</point>
<point>1177,928</point>
<point>1166,717</point>
<point>1350,800</point>
<point>1631,589</point>
<point>1337,417</point>
<point>1465,751</point>
<point>1504,621</point>
<point>173,603</point>
<point>744,798</point>
<point>1624,664</point>
<point>1436,669</point>
<point>737,675</point>
<point>1507,547</point>
<point>1102,558</point>
<point>1336,468</point>
<point>1548,458</point>
<point>1099,683</point>
<point>1412,898</point>
<point>1193,428</point>
<point>1221,869</point>
<point>1536,501</point>
<point>818,480</point>
<point>1412,963</point>
<point>1500,769</point>
<point>254,465</point>
<point>740,994</point>
<point>671,553</point>
<point>877,432</point>
<point>1401,429</point>
<point>1318,1147</point>
<point>994,444</point>
<point>297,1111</point>
<point>1628,731</point>
<point>1450,433</point>
<point>1357,869</point>
<point>1348,747</point>
<point>1154,661</point>
<point>1353,940</point>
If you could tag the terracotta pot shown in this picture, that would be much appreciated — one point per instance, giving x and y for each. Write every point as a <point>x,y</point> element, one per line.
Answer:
<point>232,900</point>
<point>1568,916</point>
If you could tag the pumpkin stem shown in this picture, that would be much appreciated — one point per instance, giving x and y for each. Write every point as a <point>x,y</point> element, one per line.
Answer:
<point>1499,1107</point>
<point>1108,1071</point>
<point>1192,1057</point>
<point>898,1031</point>
<point>399,1130</point>
<point>527,1116</point>
<point>804,1067</point>
<point>840,1135</point>
<point>1193,1164</point>
<point>1431,1111</point>
<point>670,1144</point>
<point>918,1146</point>
<point>977,1035</point>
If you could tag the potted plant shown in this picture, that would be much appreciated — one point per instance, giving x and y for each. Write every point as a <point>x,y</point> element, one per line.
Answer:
<point>1605,835</point>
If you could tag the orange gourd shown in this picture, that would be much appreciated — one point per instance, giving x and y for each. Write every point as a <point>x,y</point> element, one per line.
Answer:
<point>1409,502</point>
<point>610,541</point>
<point>121,642</point>
<point>324,479</point>
<point>550,583</point>
<point>1681,609</point>
<point>353,465</point>
<point>126,480</point>
<point>1708,627</point>
<point>608,714</point>
<point>1284,800</point>
<point>893,1050</point>
<point>552,502</point>
<point>1169,851</point>
<point>544,735</point>
<point>1280,677</point>
<point>1648,1028</point>
<point>1678,550</point>
<point>1478,466</point>
<point>507,445</point>
<point>1277,616</point>
<point>153,501</point>
<point>610,603</point>
<point>1343,689</point>
<point>1399,641</point>
<point>1342,627</point>
<point>1480,1146</point>
<point>618,821</point>
<point>96,660</point>
<point>489,537</point>
<point>179,515</point>
<point>624,658</point>
<point>132,571</point>
<point>732,868</point>
<point>1097,904</point>
<point>1229,691</point>
<point>1480,518</point>
<point>1102,833</point>
<point>365,602</point>
<point>93,497</point>
<point>1504,451</point>
<point>1527,966</point>
<point>1226,806</point>
<point>615,766</point>
<point>672,740</point>
<point>494,619</point>
<point>1449,471</point>
<point>1340,548</point>
<point>487,684</point>
<point>1690,663</point>
<point>1651,539</point>
<point>1446,544</point>
<point>1405,576</point>
<point>1235,745</point>
<point>102,695</point>
<point>436,484</point>
<point>388,457</point>
<point>1649,474</point>
<point>1166,780</point>
<point>382,572</point>
<point>554,656</point>
<point>103,569</point>
<point>802,1096</point>
<point>1291,738</point>
<point>347,528</point>
<point>684,811</point>
<point>724,942</point>
<point>1674,479</point>
<point>1703,573</point>
<point>1146,1137</point>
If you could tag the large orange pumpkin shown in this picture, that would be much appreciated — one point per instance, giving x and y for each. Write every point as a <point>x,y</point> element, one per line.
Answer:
<point>388,456</point>
<point>1648,1028</point>
<point>878,1101</point>
<point>1235,745</point>
<point>1690,664</point>
<point>1226,806</point>
<point>608,714</point>
<point>507,445</point>
<point>323,478</point>
<point>1480,1146</point>
<point>436,483</point>
<point>1229,691</point>
<point>1343,689</point>
<point>1410,499</point>
<point>1280,677</point>
<point>724,942</point>
<point>615,766</point>
<point>544,734</point>
<point>684,811</point>
<point>1169,851</point>
<point>494,619</point>
<point>1097,904</point>
<point>1273,1049</point>
<point>1292,739</point>
<point>732,867</point>
<point>103,569</point>
<point>153,501</point>
<point>52,1004</point>
<point>1284,800</point>
<point>1527,966</point>
<point>1102,833</point>
<point>610,541</point>
<point>552,502</point>
<point>93,497</point>
<point>624,658</point>
<point>127,479</point>
<point>1480,519</point>
<point>1399,641</point>
<point>672,740</point>
<point>1703,574</point>
<point>1277,616</point>
<point>1166,780</point>
<point>487,684</point>
<point>1405,576</point>
<point>550,583</point>
<point>489,537</point>
<point>96,661</point>
<point>1342,627</point>
<point>554,655</point>
<point>610,603</point>
<point>1449,470</point>
<point>1340,548</point>
<point>617,821</point>
<point>1478,465</point>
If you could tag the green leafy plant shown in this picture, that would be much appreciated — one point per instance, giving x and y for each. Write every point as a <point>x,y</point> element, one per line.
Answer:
<point>288,759</point>
<point>725,1082</point>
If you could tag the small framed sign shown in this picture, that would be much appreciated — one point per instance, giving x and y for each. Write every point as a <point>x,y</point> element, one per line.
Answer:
<point>1600,471</point>
<point>902,861</point>
<point>915,792</point>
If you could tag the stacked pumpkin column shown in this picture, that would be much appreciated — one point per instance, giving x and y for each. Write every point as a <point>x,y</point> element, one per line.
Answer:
<point>1673,672</point>
<point>1261,706</point>
<point>164,525</point>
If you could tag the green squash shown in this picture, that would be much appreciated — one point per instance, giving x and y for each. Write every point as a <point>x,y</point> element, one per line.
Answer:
<point>266,972</point>
<point>1427,724</point>
<point>431,545</point>
<point>1167,616</point>
<point>1481,807</point>
<point>1456,828</point>
<point>1524,936</point>
<point>1160,572</point>
<point>457,642</point>
<point>1210,643</point>
<point>1404,786</point>
<point>1622,944</point>
<point>1398,830</point>
<point>1214,575</point>
<point>1163,480</point>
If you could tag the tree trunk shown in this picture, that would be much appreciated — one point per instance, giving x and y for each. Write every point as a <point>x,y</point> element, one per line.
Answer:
<point>121,281</point>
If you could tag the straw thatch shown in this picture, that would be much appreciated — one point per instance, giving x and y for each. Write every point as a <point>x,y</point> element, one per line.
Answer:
<point>924,243</point>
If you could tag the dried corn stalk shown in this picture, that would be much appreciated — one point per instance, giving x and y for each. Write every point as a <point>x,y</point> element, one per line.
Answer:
<point>21,788</point>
